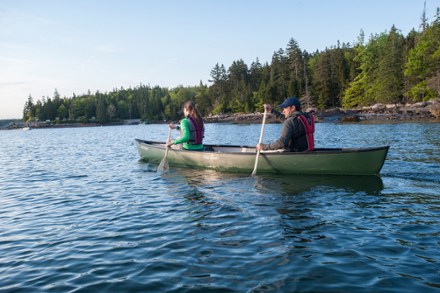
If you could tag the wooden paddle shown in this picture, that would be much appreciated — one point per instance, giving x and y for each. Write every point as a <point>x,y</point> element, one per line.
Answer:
<point>163,166</point>
<point>259,142</point>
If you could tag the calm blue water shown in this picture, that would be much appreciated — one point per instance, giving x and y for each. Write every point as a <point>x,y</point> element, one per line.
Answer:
<point>80,213</point>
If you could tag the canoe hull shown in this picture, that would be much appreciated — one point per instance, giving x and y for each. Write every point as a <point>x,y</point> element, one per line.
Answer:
<point>241,159</point>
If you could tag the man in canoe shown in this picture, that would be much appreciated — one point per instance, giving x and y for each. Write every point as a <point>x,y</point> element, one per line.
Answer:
<point>191,129</point>
<point>297,134</point>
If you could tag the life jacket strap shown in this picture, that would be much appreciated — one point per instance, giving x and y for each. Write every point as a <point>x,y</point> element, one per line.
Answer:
<point>309,125</point>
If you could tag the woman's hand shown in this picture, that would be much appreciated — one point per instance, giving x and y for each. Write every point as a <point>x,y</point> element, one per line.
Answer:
<point>172,126</point>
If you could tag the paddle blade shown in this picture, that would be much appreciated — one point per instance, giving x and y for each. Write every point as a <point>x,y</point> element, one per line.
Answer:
<point>163,166</point>
<point>254,172</point>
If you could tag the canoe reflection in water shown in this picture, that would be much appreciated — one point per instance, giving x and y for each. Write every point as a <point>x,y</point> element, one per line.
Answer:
<point>226,183</point>
<point>296,184</point>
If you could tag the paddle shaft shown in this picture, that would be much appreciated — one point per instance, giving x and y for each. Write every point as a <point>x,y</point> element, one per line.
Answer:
<point>164,163</point>
<point>168,139</point>
<point>259,142</point>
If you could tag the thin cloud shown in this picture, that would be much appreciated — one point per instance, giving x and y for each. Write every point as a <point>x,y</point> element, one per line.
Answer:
<point>10,45</point>
<point>29,18</point>
<point>11,84</point>
<point>14,61</point>
<point>108,49</point>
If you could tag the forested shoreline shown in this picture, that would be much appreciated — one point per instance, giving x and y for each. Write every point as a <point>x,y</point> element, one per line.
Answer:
<point>388,68</point>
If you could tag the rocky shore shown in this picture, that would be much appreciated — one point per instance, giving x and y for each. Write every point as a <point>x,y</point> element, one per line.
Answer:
<point>423,111</point>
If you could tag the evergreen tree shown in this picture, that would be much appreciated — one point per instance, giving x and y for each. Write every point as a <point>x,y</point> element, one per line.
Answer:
<point>238,80</point>
<point>423,66</point>
<point>29,109</point>
<point>389,79</point>
<point>202,99</point>
<point>101,109</point>
<point>295,62</point>
<point>277,86</point>
<point>355,92</point>
<point>62,112</point>
<point>381,76</point>
<point>218,88</point>
<point>322,82</point>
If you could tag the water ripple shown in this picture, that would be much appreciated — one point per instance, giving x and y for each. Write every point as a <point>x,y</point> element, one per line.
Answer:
<point>92,217</point>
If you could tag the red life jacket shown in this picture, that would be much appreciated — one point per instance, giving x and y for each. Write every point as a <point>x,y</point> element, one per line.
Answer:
<point>309,125</point>
<point>197,131</point>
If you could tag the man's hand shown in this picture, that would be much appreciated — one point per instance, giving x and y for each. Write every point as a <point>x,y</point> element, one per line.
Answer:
<point>268,107</point>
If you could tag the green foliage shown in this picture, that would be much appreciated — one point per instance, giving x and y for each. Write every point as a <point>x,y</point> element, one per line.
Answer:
<point>29,110</point>
<point>423,66</point>
<point>381,77</point>
<point>354,95</point>
<point>420,92</point>
<point>63,112</point>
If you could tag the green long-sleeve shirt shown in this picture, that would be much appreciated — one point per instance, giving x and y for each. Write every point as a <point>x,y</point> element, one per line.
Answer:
<point>185,135</point>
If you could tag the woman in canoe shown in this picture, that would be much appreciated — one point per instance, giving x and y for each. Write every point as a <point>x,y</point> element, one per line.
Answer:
<point>191,128</point>
<point>297,134</point>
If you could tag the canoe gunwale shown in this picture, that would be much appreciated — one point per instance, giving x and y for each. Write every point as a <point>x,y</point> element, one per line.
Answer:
<point>161,145</point>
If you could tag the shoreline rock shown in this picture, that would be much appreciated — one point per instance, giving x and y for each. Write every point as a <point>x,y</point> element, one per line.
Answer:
<point>422,111</point>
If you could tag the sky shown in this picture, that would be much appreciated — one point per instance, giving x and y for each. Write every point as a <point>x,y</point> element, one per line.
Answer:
<point>99,45</point>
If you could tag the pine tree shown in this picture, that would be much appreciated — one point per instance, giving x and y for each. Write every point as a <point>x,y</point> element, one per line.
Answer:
<point>423,66</point>
<point>295,62</point>
<point>389,79</point>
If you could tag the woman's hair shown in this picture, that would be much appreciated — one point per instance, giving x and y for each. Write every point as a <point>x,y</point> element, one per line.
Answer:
<point>192,110</point>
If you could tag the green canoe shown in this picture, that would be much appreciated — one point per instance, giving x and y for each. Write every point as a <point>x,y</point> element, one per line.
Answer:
<point>241,159</point>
